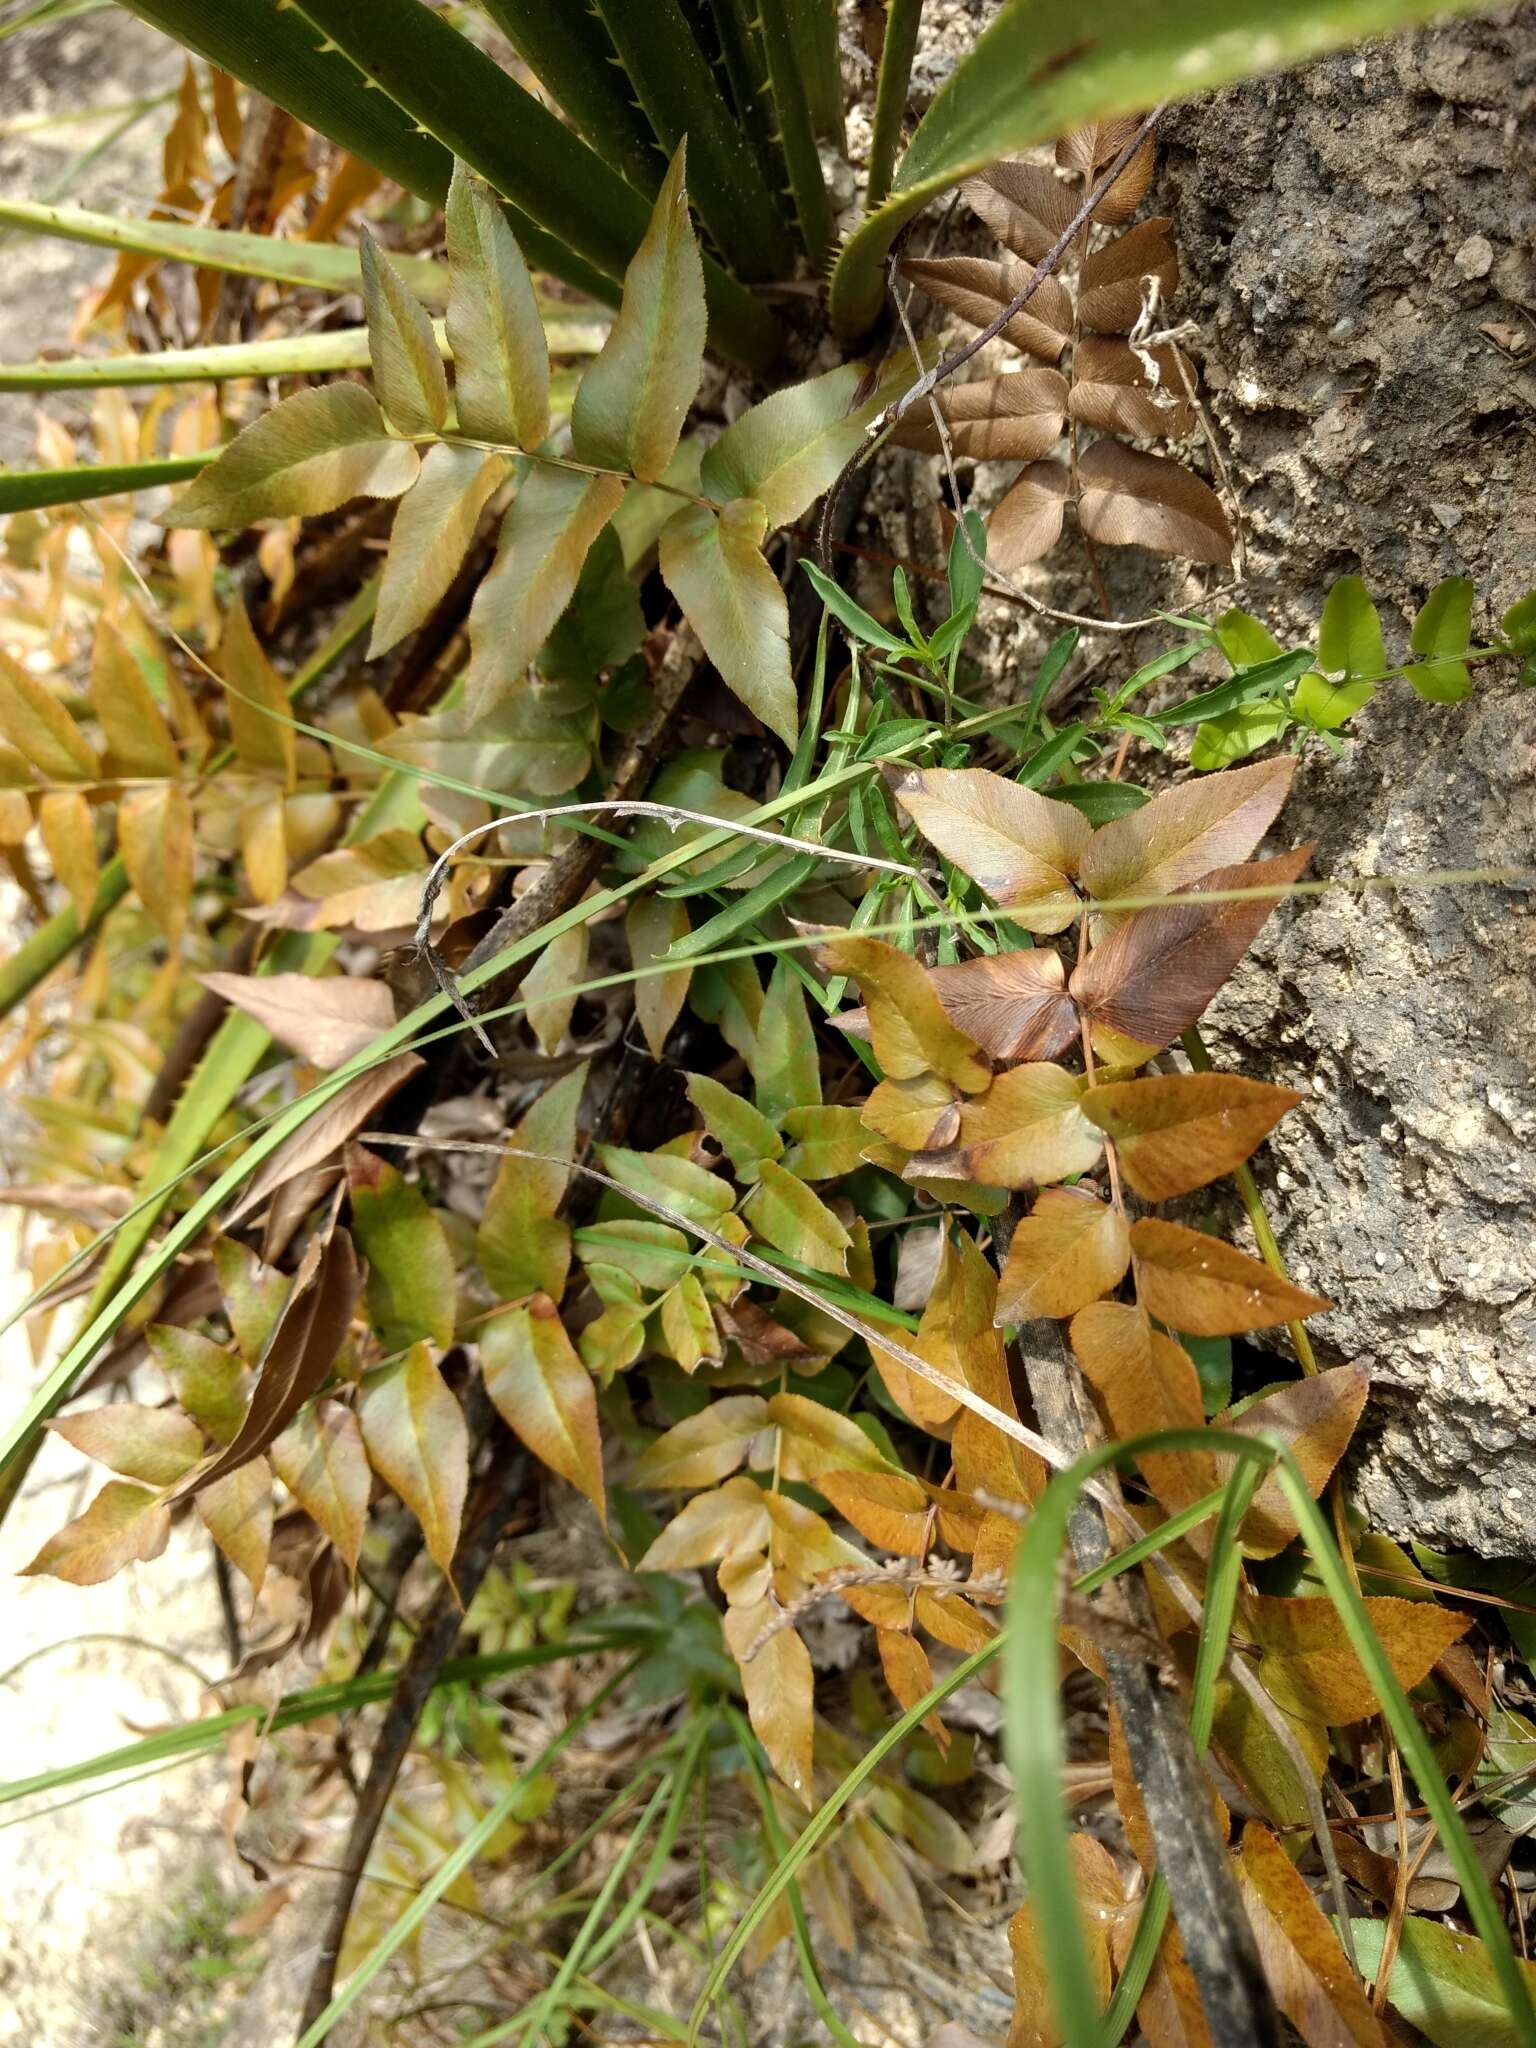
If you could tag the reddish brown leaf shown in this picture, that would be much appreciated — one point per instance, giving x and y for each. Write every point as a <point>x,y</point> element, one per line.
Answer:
<point>1207,1287</point>
<point>1019,846</point>
<point>956,1337</point>
<point>1308,1973</point>
<point>316,1142</point>
<point>1177,1132</point>
<point>1146,1382</point>
<point>951,1620</point>
<point>300,1350</point>
<point>1011,418</point>
<point>1024,205</point>
<point>978,290</point>
<point>1180,836</point>
<point>1153,976</point>
<point>1027,1130</point>
<point>416,1439</point>
<point>1014,1005</point>
<point>327,1021</point>
<point>909,1674</point>
<point>1310,1669</point>
<point>237,1513</point>
<point>321,1460</point>
<point>1092,148</point>
<point>1071,1249</point>
<point>544,1392</point>
<point>1112,285</point>
<point>1147,500</point>
<point>1316,1417</point>
<point>1130,500</point>
<point>1169,2011</point>
<point>1028,519</point>
<point>1100,1893</point>
<point>1112,392</point>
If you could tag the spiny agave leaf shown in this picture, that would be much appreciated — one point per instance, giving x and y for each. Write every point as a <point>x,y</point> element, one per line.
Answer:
<point>432,532</point>
<point>1012,418</point>
<point>300,1350</point>
<point>311,453</point>
<point>1113,286</point>
<point>1308,1973</point>
<point>1028,1129</point>
<point>1112,392</point>
<point>1147,501</point>
<point>1444,627</point>
<point>1310,1668</point>
<point>1153,976</point>
<point>415,1436</point>
<point>1316,1418</point>
<point>155,1446</point>
<point>910,1031</point>
<point>327,1020</point>
<point>703,1449</point>
<point>320,1459</point>
<point>500,357</point>
<point>1068,1251</point>
<point>523,1244</point>
<point>978,289</point>
<point>545,1394</point>
<point>632,400</point>
<point>1184,833</point>
<point>1201,1284</point>
<point>1177,1132</point>
<point>1019,846</point>
<point>1146,1382</point>
<point>124,1524</point>
<point>1027,521</point>
<point>713,565</point>
<point>555,517</point>
<point>139,741</point>
<point>408,372</point>
<point>1090,148</point>
<point>1025,207</point>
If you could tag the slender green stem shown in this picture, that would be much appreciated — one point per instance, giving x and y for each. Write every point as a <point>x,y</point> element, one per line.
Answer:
<point>902,18</point>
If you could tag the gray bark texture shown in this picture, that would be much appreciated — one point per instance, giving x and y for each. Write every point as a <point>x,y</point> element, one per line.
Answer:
<point>1357,241</point>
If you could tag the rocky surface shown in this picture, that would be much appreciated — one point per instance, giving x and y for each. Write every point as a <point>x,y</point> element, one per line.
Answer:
<point>1357,244</point>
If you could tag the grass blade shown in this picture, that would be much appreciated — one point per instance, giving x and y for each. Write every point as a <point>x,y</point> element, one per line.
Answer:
<point>29,490</point>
